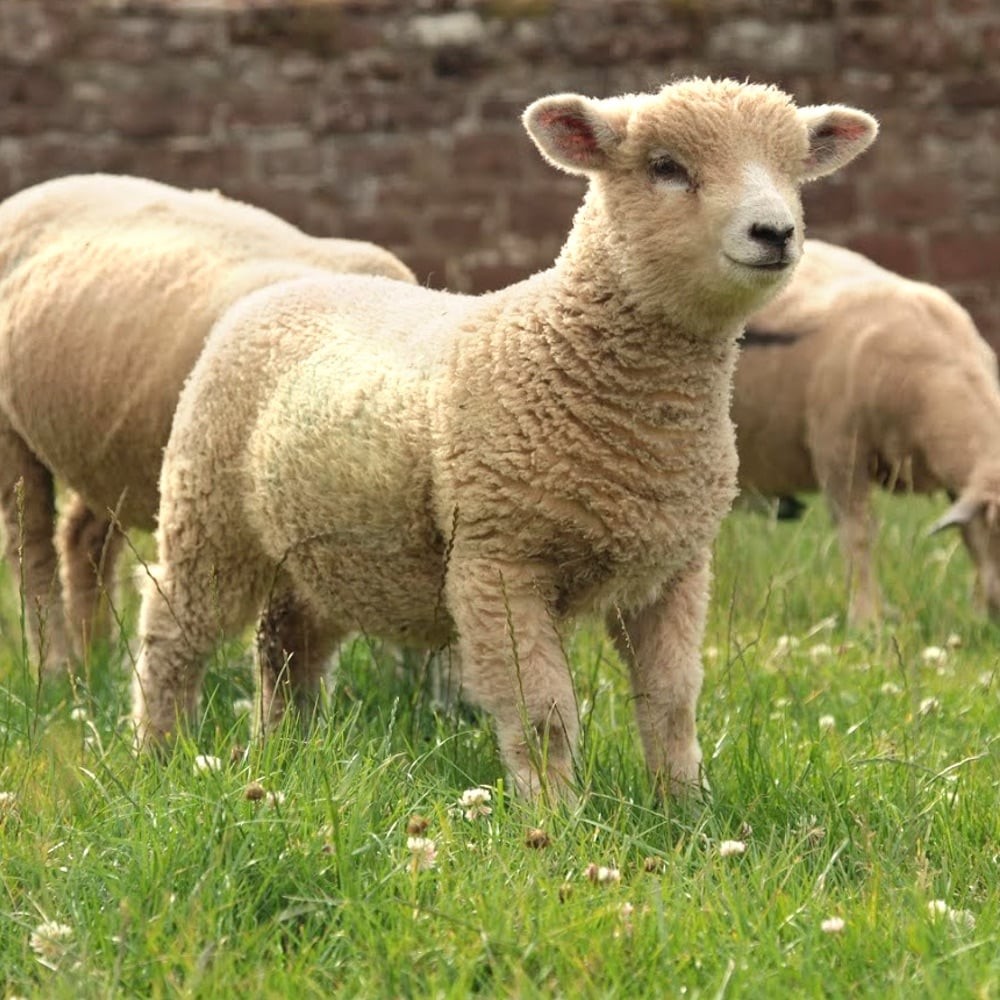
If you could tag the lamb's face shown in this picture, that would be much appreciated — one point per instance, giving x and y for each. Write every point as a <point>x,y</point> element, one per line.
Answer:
<point>700,182</point>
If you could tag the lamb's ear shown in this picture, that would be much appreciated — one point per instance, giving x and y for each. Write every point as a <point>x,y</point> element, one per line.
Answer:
<point>836,135</point>
<point>575,133</point>
<point>962,511</point>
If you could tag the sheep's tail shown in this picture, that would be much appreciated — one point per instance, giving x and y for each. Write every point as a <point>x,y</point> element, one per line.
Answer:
<point>756,337</point>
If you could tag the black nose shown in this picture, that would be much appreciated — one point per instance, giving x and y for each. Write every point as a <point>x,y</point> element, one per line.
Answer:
<point>771,236</point>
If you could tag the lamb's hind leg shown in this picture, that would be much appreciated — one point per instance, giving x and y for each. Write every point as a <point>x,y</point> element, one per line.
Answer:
<point>514,666</point>
<point>27,496</point>
<point>89,546</point>
<point>292,654</point>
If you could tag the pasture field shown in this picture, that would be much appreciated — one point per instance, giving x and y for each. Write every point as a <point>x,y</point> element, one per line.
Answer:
<point>850,845</point>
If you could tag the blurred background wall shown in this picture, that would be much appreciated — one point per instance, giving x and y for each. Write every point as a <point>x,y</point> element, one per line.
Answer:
<point>398,120</point>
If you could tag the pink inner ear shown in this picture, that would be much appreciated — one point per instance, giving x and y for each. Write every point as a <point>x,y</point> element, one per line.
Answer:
<point>574,133</point>
<point>841,130</point>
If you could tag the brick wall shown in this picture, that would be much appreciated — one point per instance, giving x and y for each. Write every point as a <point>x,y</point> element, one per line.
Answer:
<point>397,120</point>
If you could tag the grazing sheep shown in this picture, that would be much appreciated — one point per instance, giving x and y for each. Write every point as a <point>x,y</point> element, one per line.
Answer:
<point>108,289</point>
<point>856,376</point>
<point>424,466</point>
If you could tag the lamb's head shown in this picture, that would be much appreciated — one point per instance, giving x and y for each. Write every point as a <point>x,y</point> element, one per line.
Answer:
<point>976,513</point>
<point>696,188</point>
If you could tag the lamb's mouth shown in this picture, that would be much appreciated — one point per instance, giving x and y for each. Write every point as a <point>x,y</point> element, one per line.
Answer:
<point>772,265</point>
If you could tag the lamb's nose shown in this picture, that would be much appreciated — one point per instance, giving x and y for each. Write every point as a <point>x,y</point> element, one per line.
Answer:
<point>774,237</point>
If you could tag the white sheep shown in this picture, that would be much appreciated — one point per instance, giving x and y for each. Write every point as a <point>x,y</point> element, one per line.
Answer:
<point>427,467</point>
<point>108,289</point>
<point>855,376</point>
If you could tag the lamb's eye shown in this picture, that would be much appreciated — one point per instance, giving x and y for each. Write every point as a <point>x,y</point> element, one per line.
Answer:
<point>668,170</point>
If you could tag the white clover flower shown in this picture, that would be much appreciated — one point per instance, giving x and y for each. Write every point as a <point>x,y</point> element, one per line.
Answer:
<point>275,799</point>
<point>602,874</point>
<point>786,643</point>
<point>890,687</point>
<point>962,920</point>
<point>8,804</point>
<point>243,706</point>
<point>827,723</point>
<point>79,714</point>
<point>49,941</point>
<point>832,925</point>
<point>934,654</point>
<point>731,848</point>
<point>423,853</point>
<point>953,641</point>
<point>474,802</point>
<point>625,913</point>
<point>205,764</point>
<point>929,706</point>
<point>959,919</point>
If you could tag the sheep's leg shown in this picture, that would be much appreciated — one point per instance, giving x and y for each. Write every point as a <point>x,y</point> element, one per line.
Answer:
<point>292,653</point>
<point>89,546</point>
<point>27,496</point>
<point>513,665</point>
<point>202,591</point>
<point>856,530</point>
<point>662,646</point>
<point>847,493</point>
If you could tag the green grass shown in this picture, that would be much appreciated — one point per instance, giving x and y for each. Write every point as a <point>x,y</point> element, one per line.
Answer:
<point>175,884</point>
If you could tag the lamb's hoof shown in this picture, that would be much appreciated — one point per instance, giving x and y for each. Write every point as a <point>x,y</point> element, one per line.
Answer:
<point>552,787</point>
<point>683,780</point>
<point>151,742</point>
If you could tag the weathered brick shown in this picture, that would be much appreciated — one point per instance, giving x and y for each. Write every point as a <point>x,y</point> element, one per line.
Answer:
<point>898,251</point>
<point>339,118</point>
<point>965,256</point>
<point>832,201</point>
<point>490,277</point>
<point>979,91</point>
<point>922,199</point>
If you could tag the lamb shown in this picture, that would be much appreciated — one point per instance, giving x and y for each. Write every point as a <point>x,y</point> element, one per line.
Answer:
<point>855,376</point>
<point>108,289</point>
<point>350,455</point>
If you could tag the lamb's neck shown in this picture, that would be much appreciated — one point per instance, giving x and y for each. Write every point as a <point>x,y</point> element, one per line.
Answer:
<point>618,342</point>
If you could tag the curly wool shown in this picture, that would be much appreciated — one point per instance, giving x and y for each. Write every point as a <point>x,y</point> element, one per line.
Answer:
<point>433,467</point>
<point>108,289</point>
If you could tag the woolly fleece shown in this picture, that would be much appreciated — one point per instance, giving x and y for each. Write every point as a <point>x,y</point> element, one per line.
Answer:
<point>108,289</point>
<point>431,467</point>
<point>882,381</point>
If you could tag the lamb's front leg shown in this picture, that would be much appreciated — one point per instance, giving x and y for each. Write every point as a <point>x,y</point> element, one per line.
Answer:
<point>514,666</point>
<point>661,644</point>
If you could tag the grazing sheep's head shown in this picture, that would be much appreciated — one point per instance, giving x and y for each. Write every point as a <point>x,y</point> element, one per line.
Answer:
<point>699,184</point>
<point>976,513</point>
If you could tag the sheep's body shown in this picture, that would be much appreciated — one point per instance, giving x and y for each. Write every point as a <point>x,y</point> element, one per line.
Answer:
<point>108,289</point>
<point>855,376</point>
<point>430,467</point>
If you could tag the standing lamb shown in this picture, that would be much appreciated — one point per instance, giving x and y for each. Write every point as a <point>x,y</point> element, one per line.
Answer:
<point>856,376</point>
<point>424,466</point>
<point>108,289</point>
